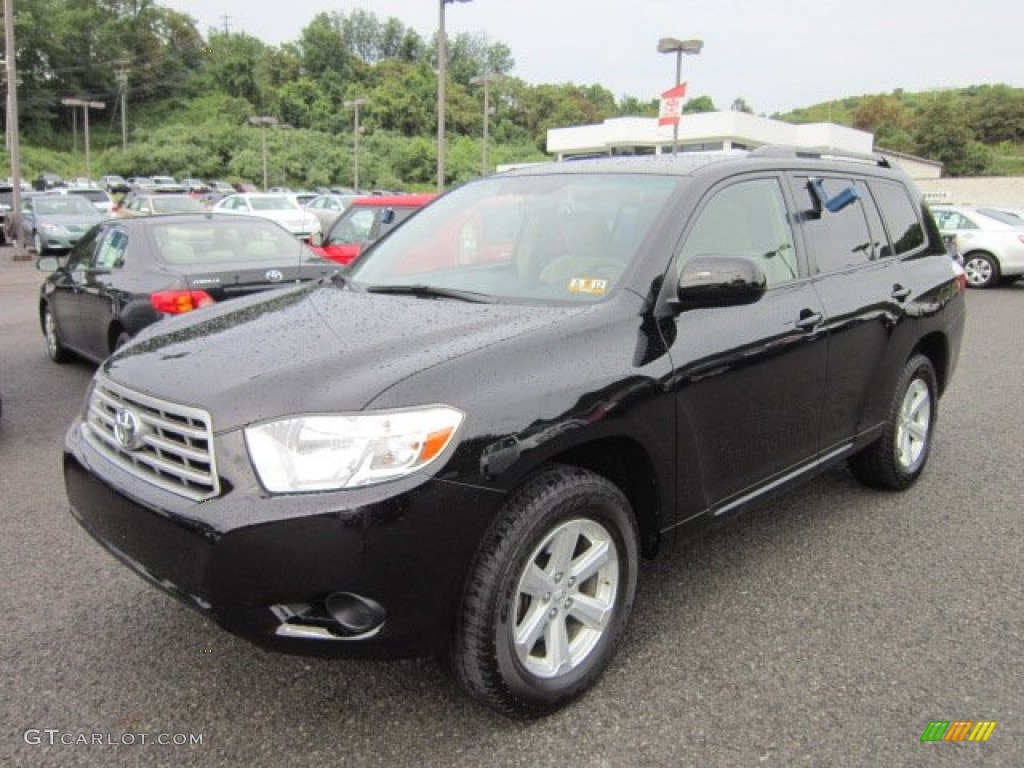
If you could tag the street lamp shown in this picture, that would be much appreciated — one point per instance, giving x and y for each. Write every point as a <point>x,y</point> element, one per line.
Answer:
<point>356,104</point>
<point>442,63</point>
<point>492,77</point>
<point>263,121</point>
<point>678,47</point>
<point>86,106</point>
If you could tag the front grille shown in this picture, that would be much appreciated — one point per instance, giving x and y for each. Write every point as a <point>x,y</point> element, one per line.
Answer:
<point>166,444</point>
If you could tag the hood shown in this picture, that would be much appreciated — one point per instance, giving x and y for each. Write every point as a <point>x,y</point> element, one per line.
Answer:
<point>317,349</point>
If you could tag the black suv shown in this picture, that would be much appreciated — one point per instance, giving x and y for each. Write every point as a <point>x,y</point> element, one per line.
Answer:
<point>462,445</point>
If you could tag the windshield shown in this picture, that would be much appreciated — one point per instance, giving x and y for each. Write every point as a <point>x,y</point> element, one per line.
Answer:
<point>557,238</point>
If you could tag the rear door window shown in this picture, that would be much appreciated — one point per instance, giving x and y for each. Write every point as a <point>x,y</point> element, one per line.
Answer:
<point>837,238</point>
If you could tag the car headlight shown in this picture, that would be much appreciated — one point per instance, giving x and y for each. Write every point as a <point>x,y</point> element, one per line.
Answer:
<point>329,452</point>
<point>53,229</point>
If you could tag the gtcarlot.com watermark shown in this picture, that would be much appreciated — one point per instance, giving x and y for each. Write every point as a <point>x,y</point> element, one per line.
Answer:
<point>57,737</point>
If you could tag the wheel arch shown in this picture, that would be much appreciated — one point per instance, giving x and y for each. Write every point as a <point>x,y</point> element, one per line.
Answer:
<point>114,330</point>
<point>624,462</point>
<point>935,346</point>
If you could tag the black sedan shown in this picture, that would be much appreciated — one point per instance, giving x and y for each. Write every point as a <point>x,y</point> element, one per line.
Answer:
<point>126,274</point>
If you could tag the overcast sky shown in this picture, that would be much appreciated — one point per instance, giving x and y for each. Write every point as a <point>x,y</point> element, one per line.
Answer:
<point>776,54</point>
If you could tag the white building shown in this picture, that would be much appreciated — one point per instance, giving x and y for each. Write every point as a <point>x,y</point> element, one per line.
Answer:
<point>700,132</point>
<point>710,131</point>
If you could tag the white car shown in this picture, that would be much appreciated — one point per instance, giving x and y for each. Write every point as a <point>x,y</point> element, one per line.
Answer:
<point>991,242</point>
<point>277,208</point>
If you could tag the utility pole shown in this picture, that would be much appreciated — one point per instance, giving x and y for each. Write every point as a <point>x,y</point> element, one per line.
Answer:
<point>12,128</point>
<point>122,85</point>
<point>226,19</point>
<point>355,104</point>
<point>86,106</point>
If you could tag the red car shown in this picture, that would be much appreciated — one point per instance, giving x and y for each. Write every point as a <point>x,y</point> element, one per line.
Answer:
<point>365,220</point>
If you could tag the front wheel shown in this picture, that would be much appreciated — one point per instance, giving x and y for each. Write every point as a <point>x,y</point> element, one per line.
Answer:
<point>897,458</point>
<point>982,270</point>
<point>549,594</point>
<point>37,244</point>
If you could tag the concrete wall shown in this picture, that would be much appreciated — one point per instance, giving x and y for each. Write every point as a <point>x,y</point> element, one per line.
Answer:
<point>978,190</point>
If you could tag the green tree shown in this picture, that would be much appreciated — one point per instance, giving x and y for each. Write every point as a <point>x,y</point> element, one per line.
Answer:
<point>699,104</point>
<point>943,135</point>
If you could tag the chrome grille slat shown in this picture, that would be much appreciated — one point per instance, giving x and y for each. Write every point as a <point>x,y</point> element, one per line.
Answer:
<point>174,450</point>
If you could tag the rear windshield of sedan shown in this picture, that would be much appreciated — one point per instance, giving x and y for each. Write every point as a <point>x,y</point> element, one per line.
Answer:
<point>63,206</point>
<point>559,238</point>
<point>240,240</point>
<point>273,203</point>
<point>176,205</point>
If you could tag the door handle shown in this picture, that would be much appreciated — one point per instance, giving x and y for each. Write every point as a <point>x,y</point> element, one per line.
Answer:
<point>899,292</point>
<point>809,320</point>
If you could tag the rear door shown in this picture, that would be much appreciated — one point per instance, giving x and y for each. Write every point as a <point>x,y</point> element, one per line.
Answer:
<point>862,288</point>
<point>69,284</point>
<point>749,380</point>
<point>103,293</point>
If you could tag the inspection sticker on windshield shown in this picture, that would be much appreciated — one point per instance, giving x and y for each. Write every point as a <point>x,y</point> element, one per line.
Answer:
<point>595,286</point>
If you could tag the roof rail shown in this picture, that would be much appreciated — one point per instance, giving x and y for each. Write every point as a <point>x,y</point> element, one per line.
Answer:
<point>819,153</point>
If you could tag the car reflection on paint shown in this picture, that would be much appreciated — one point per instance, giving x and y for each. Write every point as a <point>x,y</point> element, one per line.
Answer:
<point>126,274</point>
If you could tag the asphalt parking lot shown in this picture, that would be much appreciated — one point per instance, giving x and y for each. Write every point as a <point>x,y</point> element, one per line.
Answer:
<point>826,628</point>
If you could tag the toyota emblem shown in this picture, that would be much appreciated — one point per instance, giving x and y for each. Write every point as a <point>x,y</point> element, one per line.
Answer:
<point>127,429</point>
<point>274,275</point>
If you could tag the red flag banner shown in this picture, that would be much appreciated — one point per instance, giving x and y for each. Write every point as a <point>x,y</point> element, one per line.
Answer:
<point>672,105</point>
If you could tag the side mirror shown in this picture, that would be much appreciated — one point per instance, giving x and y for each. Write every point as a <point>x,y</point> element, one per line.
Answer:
<point>48,264</point>
<point>711,280</point>
<point>317,239</point>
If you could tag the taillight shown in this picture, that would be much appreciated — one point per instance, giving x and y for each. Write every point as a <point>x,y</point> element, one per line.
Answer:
<point>177,302</point>
<point>961,278</point>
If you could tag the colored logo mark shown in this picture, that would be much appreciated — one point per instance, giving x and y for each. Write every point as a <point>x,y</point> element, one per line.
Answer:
<point>958,730</point>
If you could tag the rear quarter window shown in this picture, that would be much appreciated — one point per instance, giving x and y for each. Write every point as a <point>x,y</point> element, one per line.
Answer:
<point>901,216</point>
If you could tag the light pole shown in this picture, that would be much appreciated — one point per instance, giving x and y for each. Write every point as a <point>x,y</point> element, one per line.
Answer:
<point>12,128</point>
<point>263,121</point>
<point>678,47</point>
<point>492,77</point>
<point>86,106</point>
<point>442,64</point>
<point>355,104</point>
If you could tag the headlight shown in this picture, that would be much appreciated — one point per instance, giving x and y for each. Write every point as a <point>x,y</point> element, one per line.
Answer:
<point>53,229</point>
<point>328,452</point>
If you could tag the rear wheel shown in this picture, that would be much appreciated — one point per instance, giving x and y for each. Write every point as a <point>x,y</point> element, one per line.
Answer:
<point>982,270</point>
<point>549,594</point>
<point>898,457</point>
<point>54,348</point>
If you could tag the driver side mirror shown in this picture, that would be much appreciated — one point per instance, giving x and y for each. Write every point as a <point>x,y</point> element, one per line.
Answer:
<point>48,264</point>
<point>317,239</point>
<point>714,280</point>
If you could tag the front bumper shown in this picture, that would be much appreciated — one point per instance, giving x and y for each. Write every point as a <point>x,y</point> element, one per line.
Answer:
<point>253,562</point>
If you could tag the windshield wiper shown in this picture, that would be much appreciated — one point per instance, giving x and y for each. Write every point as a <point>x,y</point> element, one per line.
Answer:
<point>432,291</point>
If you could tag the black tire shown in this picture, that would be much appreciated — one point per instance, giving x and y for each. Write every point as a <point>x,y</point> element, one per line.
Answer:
<point>982,269</point>
<point>37,244</point>
<point>898,457</point>
<point>51,333</point>
<point>564,506</point>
